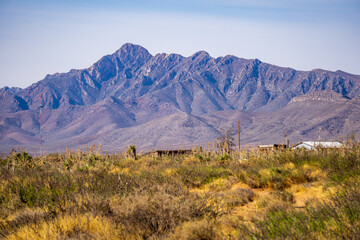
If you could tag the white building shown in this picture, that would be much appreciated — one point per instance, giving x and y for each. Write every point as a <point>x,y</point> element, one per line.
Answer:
<point>313,145</point>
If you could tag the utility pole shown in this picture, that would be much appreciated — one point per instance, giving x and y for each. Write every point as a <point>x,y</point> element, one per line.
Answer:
<point>40,121</point>
<point>319,146</point>
<point>239,135</point>
<point>286,140</point>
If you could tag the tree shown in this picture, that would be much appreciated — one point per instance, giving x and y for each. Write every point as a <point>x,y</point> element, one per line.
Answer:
<point>225,142</point>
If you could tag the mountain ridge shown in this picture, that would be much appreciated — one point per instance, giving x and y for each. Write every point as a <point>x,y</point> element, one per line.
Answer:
<point>131,87</point>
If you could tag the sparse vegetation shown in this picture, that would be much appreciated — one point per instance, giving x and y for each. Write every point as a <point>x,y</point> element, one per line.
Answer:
<point>290,194</point>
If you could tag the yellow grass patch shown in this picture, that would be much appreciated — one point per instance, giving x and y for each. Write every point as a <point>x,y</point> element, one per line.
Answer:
<point>304,193</point>
<point>289,166</point>
<point>78,227</point>
<point>265,173</point>
<point>240,185</point>
<point>220,184</point>
<point>25,212</point>
<point>201,190</point>
<point>115,170</point>
<point>169,172</point>
<point>125,170</point>
<point>191,160</point>
<point>316,172</point>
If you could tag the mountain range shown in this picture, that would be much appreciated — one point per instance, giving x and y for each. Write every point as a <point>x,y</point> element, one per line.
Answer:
<point>170,101</point>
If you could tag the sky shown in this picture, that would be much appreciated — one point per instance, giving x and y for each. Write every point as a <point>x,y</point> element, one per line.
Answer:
<point>41,37</point>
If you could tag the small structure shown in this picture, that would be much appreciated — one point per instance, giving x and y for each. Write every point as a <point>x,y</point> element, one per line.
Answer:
<point>159,153</point>
<point>271,147</point>
<point>314,145</point>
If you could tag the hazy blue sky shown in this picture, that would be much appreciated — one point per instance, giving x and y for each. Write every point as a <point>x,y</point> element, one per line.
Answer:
<point>43,37</point>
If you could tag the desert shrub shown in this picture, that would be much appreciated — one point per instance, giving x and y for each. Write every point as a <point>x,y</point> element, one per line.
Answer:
<point>258,173</point>
<point>276,201</point>
<point>191,161</point>
<point>156,211</point>
<point>4,162</point>
<point>223,159</point>
<point>35,188</point>
<point>221,203</point>
<point>2,198</point>
<point>83,168</point>
<point>102,183</point>
<point>132,151</point>
<point>221,184</point>
<point>283,196</point>
<point>276,178</point>
<point>54,157</point>
<point>17,159</point>
<point>183,197</point>
<point>69,163</point>
<point>92,159</point>
<point>28,195</point>
<point>343,211</point>
<point>340,166</point>
<point>24,158</point>
<point>24,217</point>
<point>281,224</point>
<point>336,219</point>
<point>305,173</point>
<point>196,176</point>
<point>203,229</point>
<point>239,197</point>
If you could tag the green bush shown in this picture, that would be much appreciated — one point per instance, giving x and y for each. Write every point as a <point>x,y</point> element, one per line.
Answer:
<point>28,194</point>
<point>69,163</point>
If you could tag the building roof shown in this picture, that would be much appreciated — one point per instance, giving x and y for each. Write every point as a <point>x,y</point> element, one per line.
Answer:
<point>315,144</point>
<point>266,146</point>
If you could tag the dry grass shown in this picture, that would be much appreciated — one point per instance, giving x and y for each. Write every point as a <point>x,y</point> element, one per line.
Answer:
<point>84,226</point>
<point>255,195</point>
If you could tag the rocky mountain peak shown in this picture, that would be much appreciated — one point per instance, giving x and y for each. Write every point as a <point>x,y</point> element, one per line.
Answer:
<point>256,61</point>
<point>200,54</point>
<point>10,90</point>
<point>129,49</point>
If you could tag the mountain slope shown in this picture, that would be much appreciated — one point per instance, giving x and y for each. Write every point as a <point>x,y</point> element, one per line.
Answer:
<point>130,88</point>
<point>326,114</point>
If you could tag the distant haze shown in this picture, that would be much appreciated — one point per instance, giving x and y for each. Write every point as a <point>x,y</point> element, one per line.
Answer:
<point>45,37</point>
